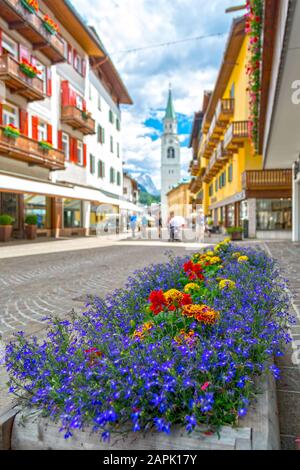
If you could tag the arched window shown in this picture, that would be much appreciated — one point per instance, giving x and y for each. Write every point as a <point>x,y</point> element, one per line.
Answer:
<point>171,152</point>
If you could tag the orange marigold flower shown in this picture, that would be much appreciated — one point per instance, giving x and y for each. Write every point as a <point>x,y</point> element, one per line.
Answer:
<point>176,299</point>
<point>201,313</point>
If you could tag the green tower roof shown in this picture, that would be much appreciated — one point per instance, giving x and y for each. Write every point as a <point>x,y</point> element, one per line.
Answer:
<point>170,112</point>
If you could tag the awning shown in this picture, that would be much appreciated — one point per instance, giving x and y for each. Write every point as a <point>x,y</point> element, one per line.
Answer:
<point>23,185</point>
<point>129,206</point>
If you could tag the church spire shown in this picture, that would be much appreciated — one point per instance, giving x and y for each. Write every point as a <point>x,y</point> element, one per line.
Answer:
<point>170,112</point>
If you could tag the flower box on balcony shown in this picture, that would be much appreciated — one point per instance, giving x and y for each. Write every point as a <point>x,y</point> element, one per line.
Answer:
<point>50,25</point>
<point>30,5</point>
<point>11,131</point>
<point>45,145</point>
<point>29,69</point>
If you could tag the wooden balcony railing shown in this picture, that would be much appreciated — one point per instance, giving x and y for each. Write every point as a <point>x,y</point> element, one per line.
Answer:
<point>236,133</point>
<point>225,109</point>
<point>31,27</point>
<point>10,73</point>
<point>75,118</point>
<point>29,150</point>
<point>195,167</point>
<point>267,179</point>
<point>222,153</point>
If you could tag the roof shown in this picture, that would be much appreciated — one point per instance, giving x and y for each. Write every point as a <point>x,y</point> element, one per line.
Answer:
<point>197,123</point>
<point>182,182</point>
<point>170,111</point>
<point>233,48</point>
<point>88,38</point>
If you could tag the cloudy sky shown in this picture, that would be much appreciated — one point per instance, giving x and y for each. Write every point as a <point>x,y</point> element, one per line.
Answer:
<point>191,66</point>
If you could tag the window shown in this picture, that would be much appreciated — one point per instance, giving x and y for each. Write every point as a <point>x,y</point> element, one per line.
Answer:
<point>274,214</point>
<point>118,150</point>
<point>77,63</point>
<point>232,91</point>
<point>9,46</point>
<point>216,185</point>
<point>66,145</point>
<point>101,169</point>
<point>211,190</point>
<point>222,180</point>
<point>92,164</point>
<point>230,173</point>
<point>171,152</point>
<point>119,179</point>
<point>72,213</point>
<point>42,131</point>
<point>10,115</point>
<point>79,102</point>
<point>42,68</point>
<point>111,116</point>
<point>111,144</point>
<point>112,176</point>
<point>118,124</point>
<point>99,102</point>
<point>101,134</point>
<point>80,152</point>
<point>90,92</point>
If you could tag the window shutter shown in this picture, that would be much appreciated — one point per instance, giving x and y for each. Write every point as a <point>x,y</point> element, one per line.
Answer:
<point>65,93</point>
<point>23,122</point>
<point>103,169</point>
<point>0,41</point>
<point>48,81</point>
<point>59,140</point>
<point>71,149</point>
<point>74,58</point>
<point>49,133</point>
<point>103,135</point>
<point>35,123</point>
<point>83,105</point>
<point>1,114</point>
<point>75,151</point>
<point>69,54</point>
<point>84,155</point>
<point>72,98</point>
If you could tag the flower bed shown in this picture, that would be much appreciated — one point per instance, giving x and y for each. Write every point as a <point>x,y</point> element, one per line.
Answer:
<point>188,356</point>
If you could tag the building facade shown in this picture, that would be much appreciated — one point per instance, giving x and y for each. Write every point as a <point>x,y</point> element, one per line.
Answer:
<point>235,189</point>
<point>62,93</point>
<point>170,156</point>
<point>179,200</point>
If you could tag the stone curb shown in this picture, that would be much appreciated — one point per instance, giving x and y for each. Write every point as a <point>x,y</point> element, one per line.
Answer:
<point>258,431</point>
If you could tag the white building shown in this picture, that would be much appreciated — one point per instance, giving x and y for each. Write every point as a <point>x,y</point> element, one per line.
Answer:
<point>74,105</point>
<point>170,156</point>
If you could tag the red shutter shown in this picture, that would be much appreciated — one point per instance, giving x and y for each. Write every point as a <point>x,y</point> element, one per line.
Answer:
<point>0,41</point>
<point>83,105</point>
<point>84,155</point>
<point>65,93</point>
<point>49,133</point>
<point>59,140</point>
<point>1,114</point>
<point>69,54</point>
<point>83,67</point>
<point>74,58</point>
<point>35,123</point>
<point>73,100</point>
<point>48,82</point>
<point>73,150</point>
<point>23,115</point>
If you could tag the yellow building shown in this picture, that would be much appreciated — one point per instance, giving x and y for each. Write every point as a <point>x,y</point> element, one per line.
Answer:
<point>234,186</point>
<point>179,200</point>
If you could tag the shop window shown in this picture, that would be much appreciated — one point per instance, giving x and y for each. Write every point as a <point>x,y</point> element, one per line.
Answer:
<point>230,215</point>
<point>38,205</point>
<point>274,214</point>
<point>72,213</point>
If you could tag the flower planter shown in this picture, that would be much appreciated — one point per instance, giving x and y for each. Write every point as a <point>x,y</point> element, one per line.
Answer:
<point>5,233</point>
<point>28,7</point>
<point>49,28</point>
<point>11,133</point>
<point>236,236</point>
<point>31,232</point>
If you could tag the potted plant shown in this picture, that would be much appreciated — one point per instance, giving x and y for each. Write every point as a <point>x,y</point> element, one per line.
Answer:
<point>31,222</point>
<point>11,131</point>
<point>29,69</point>
<point>45,145</point>
<point>6,227</point>
<point>50,25</point>
<point>235,233</point>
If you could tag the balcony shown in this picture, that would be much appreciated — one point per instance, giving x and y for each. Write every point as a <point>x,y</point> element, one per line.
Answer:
<point>236,134</point>
<point>257,180</point>
<point>195,185</point>
<point>29,150</point>
<point>31,27</point>
<point>195,167</point>
<point>30,88</point>
<point>74,117</point>
<point>224,111</point>
<point>223,155</point>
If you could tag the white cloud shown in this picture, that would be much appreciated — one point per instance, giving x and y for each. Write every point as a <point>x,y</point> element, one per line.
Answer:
<point>190,66</point>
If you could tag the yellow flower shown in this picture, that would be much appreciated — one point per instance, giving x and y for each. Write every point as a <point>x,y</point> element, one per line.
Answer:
<point>215,260</point>
<point>148,326</point>
<point>227,283</point>
<point>192,286</point>
<point>209,253</point>
<point>174,296</point>
<point>201,313</point>
<point>236,255</point>
<point>226,241</point>
<point>243,259</point>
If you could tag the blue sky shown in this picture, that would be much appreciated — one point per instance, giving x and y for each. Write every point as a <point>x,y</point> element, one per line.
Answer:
<point>191,67</point>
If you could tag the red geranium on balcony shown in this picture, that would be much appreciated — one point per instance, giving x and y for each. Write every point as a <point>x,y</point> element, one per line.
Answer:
<point>31,5</point>
<point>50,25</point>
<point>29,69</point>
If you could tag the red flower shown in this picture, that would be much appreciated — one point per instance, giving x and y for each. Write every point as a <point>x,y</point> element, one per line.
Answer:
<point>194,271</point>
<point>158,301</point>
<point>205,386</point>
<point>94,351</point>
